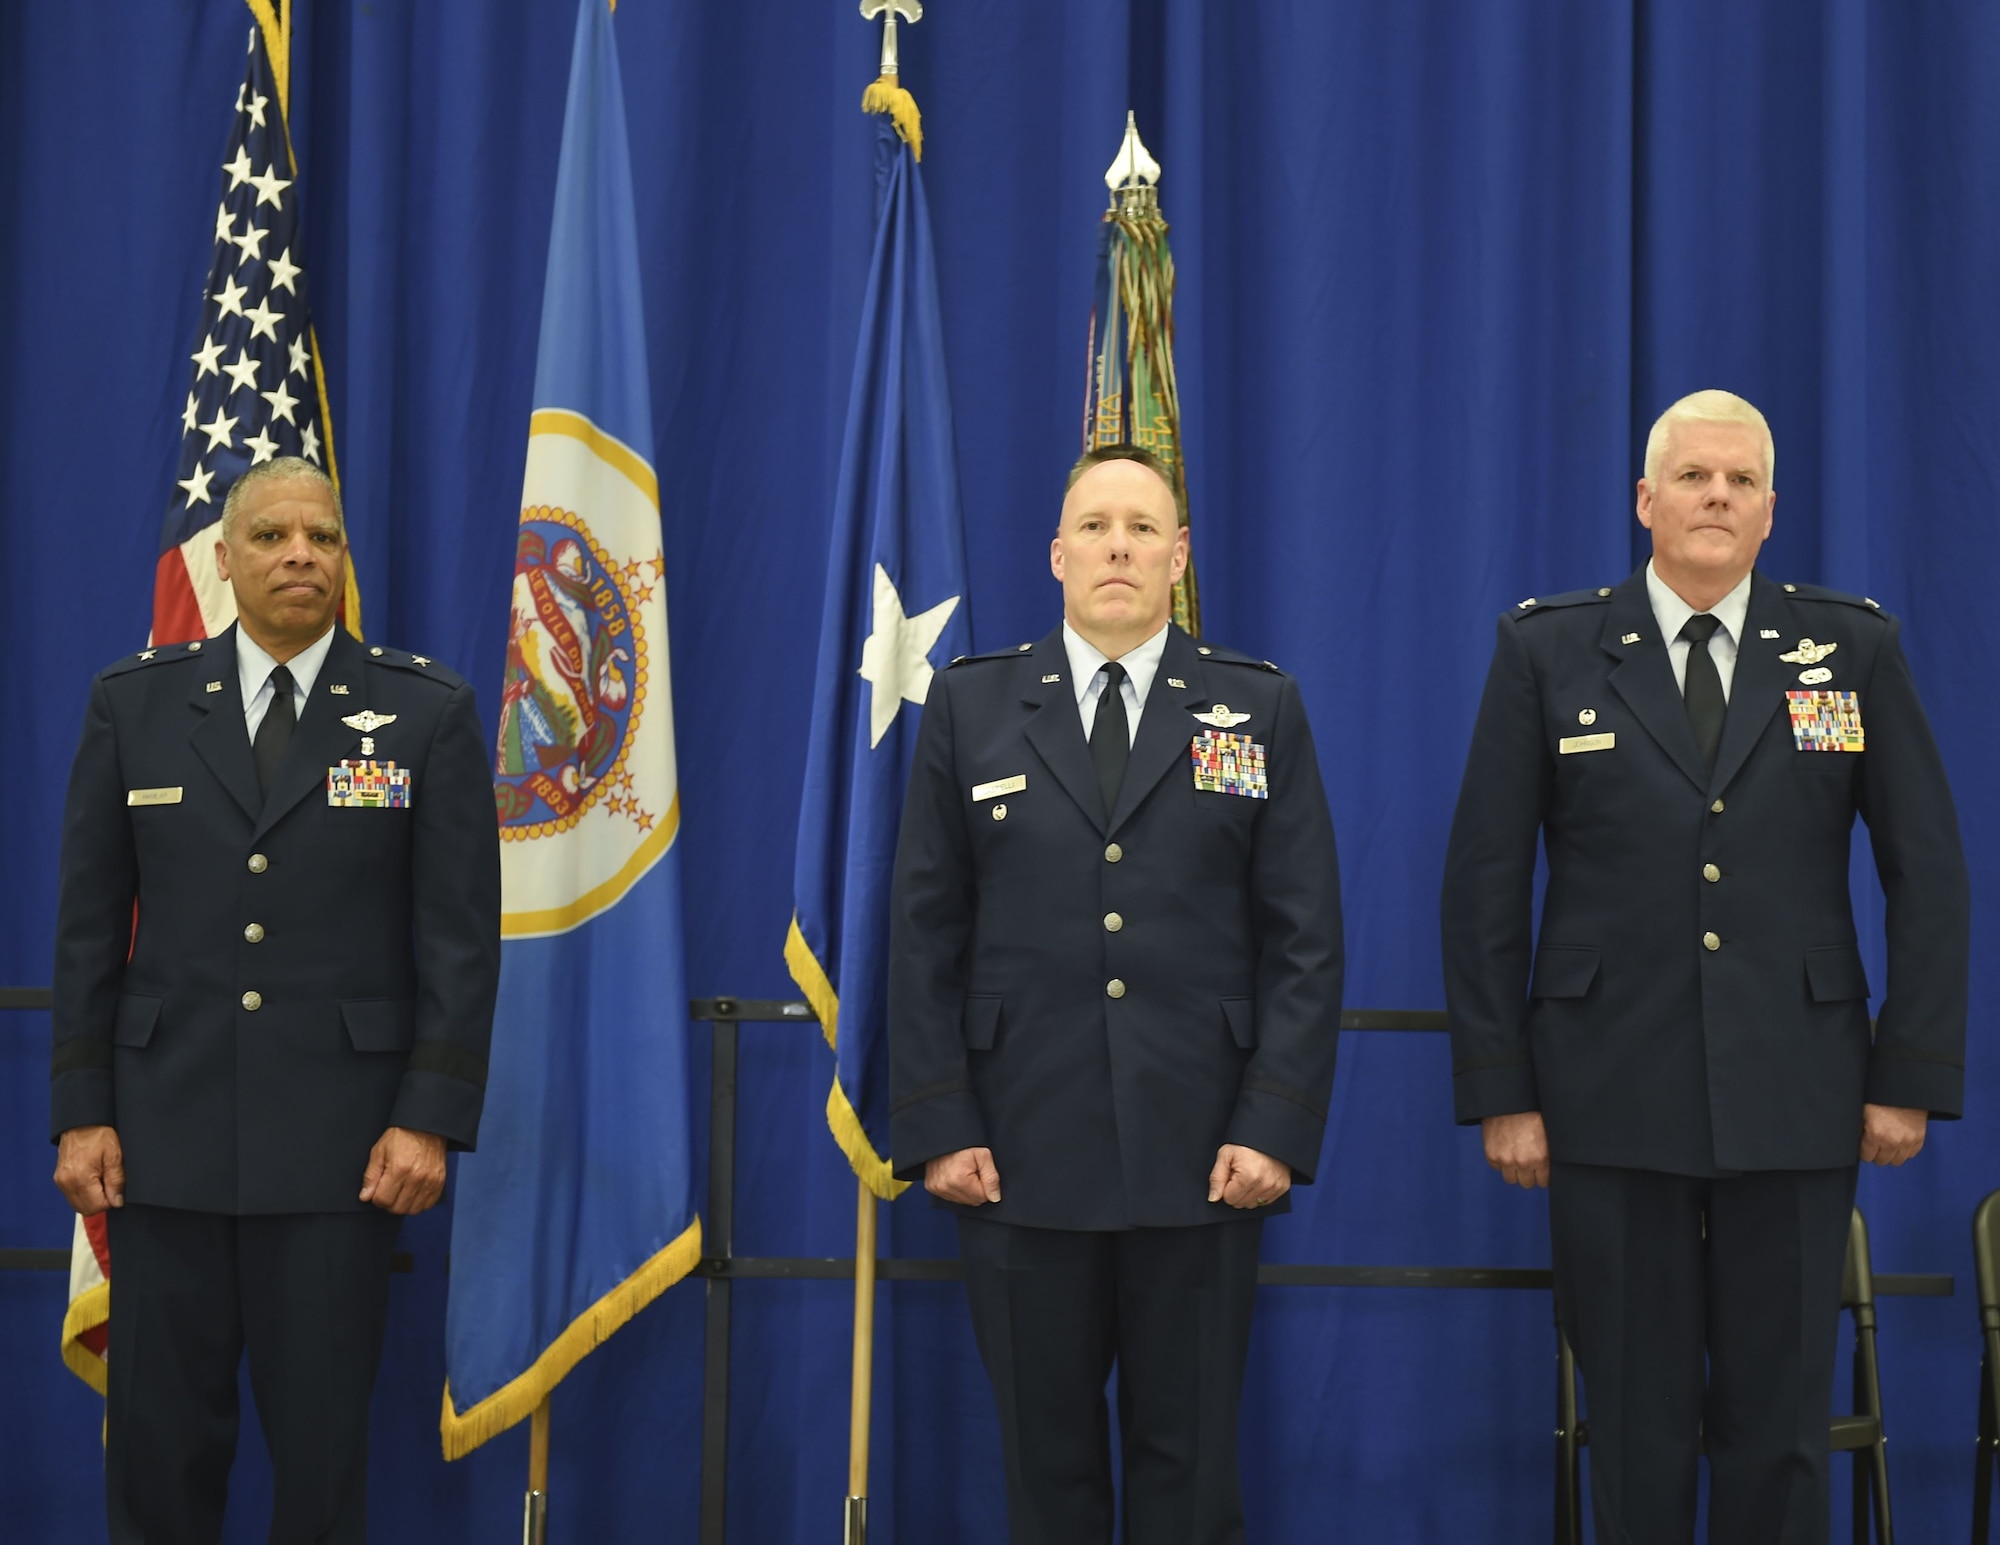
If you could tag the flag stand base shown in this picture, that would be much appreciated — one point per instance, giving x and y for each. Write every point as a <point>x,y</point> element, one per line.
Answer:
<point>856,1532</point>
<point>535,1518</point>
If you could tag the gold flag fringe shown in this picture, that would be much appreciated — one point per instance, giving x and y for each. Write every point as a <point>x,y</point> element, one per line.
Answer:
<point>885,96</point>
<point>88,1310</point>
<point>841,1120</point>
<point>516,1400</point>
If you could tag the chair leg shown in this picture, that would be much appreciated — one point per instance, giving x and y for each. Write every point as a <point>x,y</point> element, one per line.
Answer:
<point>1861,1498</point>
<point>1982,1451</point>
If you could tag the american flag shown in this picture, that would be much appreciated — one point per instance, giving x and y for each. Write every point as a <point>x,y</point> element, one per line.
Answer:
<point>255,392</point>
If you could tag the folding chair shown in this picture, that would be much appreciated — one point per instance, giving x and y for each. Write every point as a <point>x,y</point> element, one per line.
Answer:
<point>1859,1433</point>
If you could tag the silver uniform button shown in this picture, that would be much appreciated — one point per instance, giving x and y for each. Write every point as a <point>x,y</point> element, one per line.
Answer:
<point>1113,922</point>
<point>1604,590</point>
<point>1791,590</point>
<point>1114,988</point>
<point>1711,941</point>
<point>259,863</point>
<point>1203,649</point>
<point>1716,807</point>
<point>254,933</point>
<point>1710,873</point>
<point>1113,853</point>
<point>253,1001</point>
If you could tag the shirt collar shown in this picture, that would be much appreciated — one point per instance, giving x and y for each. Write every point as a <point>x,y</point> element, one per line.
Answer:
<point>254,665</point>
<point>1141,663</point>
<point>1672,613</point>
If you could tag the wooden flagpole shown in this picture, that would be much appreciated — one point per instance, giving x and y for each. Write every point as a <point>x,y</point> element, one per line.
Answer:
<point>535,1506</point>
<point>856,1529</point>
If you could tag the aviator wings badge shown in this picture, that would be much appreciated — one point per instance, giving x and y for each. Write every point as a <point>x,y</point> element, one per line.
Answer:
<point>1219,717</point>
<point>368,721</point>
<point>1808,653</point>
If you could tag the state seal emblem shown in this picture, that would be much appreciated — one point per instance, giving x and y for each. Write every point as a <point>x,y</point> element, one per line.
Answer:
<point>584,781</point>
<point>575,679</point>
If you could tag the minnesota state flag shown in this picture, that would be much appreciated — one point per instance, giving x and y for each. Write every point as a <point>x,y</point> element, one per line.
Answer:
<point>895,609</point>
<point>578,1209</point>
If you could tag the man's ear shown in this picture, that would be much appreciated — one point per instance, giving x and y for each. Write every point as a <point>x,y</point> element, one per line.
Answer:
<point>222,558</point>
<point>1056,556</point>
<point>1645,504</point>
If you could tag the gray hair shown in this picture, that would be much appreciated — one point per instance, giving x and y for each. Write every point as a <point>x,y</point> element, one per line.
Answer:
<point>279,469</point>
<point>1710,407</point>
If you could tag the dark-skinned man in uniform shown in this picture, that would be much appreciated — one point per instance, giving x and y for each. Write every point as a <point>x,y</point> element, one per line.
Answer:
<point>261,1078</point>
<point>1115,974</point>
<point>1683,1055</point>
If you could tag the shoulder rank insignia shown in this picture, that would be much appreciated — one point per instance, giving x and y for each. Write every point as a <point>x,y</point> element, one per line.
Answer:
<point>1808,653</point>
<point>1219,717</point>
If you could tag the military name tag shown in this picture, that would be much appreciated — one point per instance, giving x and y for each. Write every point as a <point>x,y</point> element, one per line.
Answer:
<point>1569,745</point>
<point>999,786</point>
<point>153,796</point>
<point>368,785</point>
<point>1826,721</point>
<point>1229,764</point>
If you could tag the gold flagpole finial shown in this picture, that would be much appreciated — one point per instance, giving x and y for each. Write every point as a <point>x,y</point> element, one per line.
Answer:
<point>1134,177</point>
<point>889,10</point>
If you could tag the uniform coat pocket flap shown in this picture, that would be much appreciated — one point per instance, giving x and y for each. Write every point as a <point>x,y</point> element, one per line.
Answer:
<point>1563,971</point>
<point>982,1023</point>
<point>380,1024</point>
<point>1835,974</point>
<point>1241,1015</point>
<point>135,1021</point>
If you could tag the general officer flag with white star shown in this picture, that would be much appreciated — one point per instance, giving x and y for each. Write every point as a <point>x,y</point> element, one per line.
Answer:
<point>255,391</point>
<point>895,608</point>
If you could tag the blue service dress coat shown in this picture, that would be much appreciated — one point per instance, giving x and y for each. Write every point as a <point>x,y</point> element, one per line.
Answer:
<point>302,976</point>
<point>1695,1001</point>
<point>1104,999</point>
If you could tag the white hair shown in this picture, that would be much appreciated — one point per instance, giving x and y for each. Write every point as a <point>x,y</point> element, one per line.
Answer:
<point>1711,407</point>
<point>279,468</point>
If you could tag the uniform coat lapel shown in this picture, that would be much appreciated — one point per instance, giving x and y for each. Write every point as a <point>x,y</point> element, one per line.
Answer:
<point>320,739</point>
<point>1055,728</point>
<point>1644,677</point>
<point>218,736</point>
<point>1758,683</point>
<point>1164,726</point>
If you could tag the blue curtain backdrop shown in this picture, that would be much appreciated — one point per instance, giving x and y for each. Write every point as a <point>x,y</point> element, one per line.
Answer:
<point>1441,261</point>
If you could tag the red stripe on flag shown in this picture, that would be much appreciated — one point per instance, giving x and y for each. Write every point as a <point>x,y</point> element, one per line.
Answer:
<point>176,612</point>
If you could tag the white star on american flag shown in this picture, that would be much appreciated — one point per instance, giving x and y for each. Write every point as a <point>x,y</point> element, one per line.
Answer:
<point>254,317</point>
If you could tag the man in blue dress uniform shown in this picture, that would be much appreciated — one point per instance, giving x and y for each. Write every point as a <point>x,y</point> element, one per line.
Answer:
<point>1683,1053</point>
<point>262,1077</point>
<point>1114,997</point>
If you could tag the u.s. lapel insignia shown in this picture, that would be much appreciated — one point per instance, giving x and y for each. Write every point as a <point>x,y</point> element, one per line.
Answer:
<point>337,688</point>
<point>1219,717</point>
<point>1175,681</point>
<point>1769,633</point>
<point>1808,653</point>
<point>1629,638</point>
